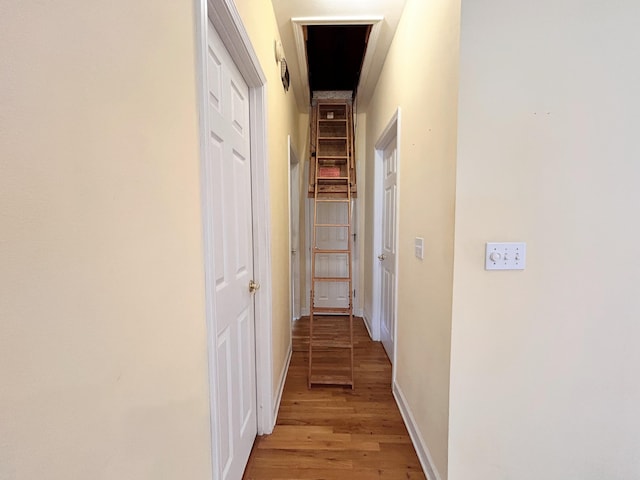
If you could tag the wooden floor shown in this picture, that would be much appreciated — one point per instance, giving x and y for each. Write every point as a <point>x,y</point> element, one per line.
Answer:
<point>336,432</point>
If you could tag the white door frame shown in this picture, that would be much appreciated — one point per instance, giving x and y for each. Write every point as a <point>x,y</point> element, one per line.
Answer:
<point>227,22</point>
<point>294,219</point>
<point>299,24</point>
<point>308,232</point>
<point>391,131</point>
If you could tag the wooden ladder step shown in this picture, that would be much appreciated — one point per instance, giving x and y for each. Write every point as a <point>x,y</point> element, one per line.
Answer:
<point>331,344</point>
<point>333,250</point>
<point>343,310</point>
<point>331,380</point>
<point>331,161</point>
<point>332,279</point>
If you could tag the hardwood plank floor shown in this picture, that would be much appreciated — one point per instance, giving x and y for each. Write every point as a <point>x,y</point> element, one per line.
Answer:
<point>335,432</point>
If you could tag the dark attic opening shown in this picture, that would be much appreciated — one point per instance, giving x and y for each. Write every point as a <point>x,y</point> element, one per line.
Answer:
<point>335,54</point>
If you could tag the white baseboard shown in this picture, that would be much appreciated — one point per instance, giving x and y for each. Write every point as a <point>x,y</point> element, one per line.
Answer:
<point>357,312</point>
<point>278,395</point>
<point>424,455</point>
<point>367,324</point>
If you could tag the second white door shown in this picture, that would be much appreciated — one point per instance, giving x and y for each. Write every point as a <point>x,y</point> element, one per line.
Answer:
<point>387,257</point>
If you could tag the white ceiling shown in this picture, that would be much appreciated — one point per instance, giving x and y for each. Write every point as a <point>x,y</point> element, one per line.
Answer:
<point>337,11</point>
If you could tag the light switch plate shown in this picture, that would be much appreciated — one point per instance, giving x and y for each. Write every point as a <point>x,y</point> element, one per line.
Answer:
<point>419,247</point>
<point>505,256</point>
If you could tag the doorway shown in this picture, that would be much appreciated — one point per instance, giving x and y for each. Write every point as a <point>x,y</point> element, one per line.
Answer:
<point>238,322</point>
<point>294,231</point>
<point>385,259</point>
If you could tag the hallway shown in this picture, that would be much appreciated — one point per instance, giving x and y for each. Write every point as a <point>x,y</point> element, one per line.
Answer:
<point>334,432</point>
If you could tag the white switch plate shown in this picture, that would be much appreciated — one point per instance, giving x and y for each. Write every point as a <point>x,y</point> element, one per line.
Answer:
<point>505,256</point>
<point>419,247</point>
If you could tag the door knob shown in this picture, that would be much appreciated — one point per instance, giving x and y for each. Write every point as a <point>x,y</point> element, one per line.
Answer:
<point>253,286</point>
<point>382,256</point>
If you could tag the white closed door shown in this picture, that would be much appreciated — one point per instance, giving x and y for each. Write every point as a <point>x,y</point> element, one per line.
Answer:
<point>387,257</point>
<point>294,226</point>
<point>332,294</point>
<point>228,195</point>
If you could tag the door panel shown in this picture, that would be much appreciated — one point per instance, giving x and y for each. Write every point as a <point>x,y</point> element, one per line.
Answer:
<point>388,258</point>
<point>228,176</point>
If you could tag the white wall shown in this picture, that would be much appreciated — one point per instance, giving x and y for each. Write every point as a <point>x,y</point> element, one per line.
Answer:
<point>544,373</point>
<point>103,359</point>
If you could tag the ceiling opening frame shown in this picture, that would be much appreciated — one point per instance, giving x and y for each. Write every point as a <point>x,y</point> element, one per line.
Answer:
<point>298,33</point>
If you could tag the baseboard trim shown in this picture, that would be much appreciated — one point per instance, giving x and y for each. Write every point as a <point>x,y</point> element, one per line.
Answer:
<point>304,311</point>
<point>278,396</point>
<point>367,324</point>
<point>424,455</point>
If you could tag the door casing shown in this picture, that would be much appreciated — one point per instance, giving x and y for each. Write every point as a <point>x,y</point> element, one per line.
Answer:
<point>294,230</point>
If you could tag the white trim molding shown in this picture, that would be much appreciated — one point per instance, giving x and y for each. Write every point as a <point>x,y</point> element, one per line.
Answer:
<point>262,261</point>
<point>424,455</point>
<point>228,23</point>
<point>367,324</point>
<point>278,393</point>
<point>298,33</point>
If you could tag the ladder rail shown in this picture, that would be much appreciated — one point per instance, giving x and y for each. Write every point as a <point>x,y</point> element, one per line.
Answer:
<point>332,195</point>
<point>313,247</point>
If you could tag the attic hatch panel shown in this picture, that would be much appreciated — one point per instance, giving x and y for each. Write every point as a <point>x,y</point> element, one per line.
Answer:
<point>334,56</point>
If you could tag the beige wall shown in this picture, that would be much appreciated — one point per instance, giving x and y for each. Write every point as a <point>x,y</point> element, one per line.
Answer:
<point>420,76</point>
<point>103,360</point>
<point>282,120</point>
<point>544,380</point>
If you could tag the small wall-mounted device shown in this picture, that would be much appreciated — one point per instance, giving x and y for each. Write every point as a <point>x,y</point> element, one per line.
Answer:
<point>419,247</point>
<point>505,256</point>
<point>284,69</point>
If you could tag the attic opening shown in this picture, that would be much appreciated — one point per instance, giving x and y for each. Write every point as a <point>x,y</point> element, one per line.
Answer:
<point>335,55</point>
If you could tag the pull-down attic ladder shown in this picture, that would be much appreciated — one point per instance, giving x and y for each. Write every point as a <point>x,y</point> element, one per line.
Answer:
<point>332,185</point>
